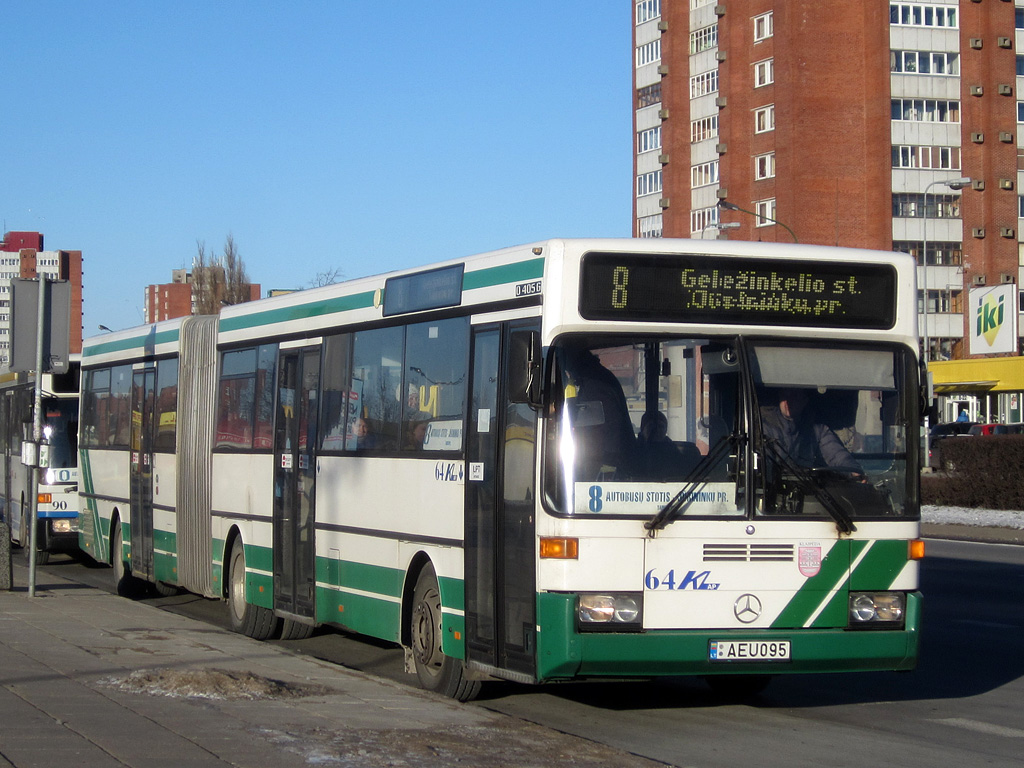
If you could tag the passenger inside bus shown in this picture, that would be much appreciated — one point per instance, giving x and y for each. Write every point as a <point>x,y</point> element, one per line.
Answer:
<point>658,456</point>
<point>602,431</point>
<point>794,429</point>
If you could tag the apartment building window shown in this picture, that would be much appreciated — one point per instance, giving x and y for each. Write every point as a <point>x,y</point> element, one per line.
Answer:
<point>702,218</point>
<point>911,205</point>
<point>1020,207</point>
<point>764,119</point>
<point>764,166</point>
<point>646,10</point>
<point>1018,18</point>
<point>649,226</point>
<point>648,140</point>
<point>765,212</point>
<point>926,110</point>
<point>703,128</point>
<point>694,4</point>
<point>703,39</point>
<point>940,254</point>
<point>922,15</point>
<point>703,84</point>
<point>764,73</point>
<point>703,174</point>
<point>1020,65</point>
<point>924,62</point>
<point>945,158</point>
<point>1020,111</point>
<point>648,96</point>
<point>648,53</point>
<point>648,183</point>
<point>764,27</point>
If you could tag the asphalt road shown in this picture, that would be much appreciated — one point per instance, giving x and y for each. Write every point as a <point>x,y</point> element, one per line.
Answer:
<point>961,707</point>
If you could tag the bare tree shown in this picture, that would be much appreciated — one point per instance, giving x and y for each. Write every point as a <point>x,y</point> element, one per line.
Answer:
<point>328,276</point>
<point>217,281</point>
<point>236,279</point>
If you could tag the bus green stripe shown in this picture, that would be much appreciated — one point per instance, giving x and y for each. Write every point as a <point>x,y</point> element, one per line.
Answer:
<point>135,342</point>
<point>354,301</point>
<point>532,269</point>
<point>880,567</point>
<point>835,568</point>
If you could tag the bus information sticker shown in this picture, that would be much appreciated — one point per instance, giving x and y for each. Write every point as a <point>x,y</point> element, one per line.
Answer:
<point>716,499</point>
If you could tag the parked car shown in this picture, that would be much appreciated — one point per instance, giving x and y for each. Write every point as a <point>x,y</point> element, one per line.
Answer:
<point>941,432</point>
<point>996,429</point>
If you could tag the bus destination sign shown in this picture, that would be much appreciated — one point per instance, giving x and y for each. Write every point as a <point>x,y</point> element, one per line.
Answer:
<point>698,288</point>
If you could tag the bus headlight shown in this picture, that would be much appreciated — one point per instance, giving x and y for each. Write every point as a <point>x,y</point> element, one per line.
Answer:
<point>610,612</point>
<point>877,609</point>
<point>62,525</point>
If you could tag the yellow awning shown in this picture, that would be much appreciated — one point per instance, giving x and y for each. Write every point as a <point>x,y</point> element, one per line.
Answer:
<point>978,375</point>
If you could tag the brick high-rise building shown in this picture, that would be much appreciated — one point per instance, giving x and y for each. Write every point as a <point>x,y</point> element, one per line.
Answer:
<point>22,256</point>
<point>839,124</point>
<point>177,299</point>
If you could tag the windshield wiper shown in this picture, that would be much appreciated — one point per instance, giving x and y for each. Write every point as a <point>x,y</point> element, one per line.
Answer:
<point>685,497</point>
<point>805,482</point>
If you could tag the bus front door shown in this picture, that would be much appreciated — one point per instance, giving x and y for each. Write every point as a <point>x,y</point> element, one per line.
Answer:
<point>499,556</point>
<point>141,472</point>
<point>294,482</point>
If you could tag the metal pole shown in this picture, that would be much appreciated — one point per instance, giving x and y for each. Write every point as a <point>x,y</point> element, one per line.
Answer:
<point>37,434</point>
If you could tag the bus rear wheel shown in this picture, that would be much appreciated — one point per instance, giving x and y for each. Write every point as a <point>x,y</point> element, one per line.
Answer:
<point>125,584</point>
<point>436,671</point>
<point>247,619</point>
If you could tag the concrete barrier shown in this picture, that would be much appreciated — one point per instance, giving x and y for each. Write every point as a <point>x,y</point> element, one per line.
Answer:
<point>5,557</point>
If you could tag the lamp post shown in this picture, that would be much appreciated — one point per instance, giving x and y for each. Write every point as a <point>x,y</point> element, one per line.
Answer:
<point>954,184</point>
<point>733,207</point>
<point>719,225</point>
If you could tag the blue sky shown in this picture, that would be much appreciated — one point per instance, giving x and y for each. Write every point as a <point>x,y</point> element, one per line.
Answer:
<point>361,136</point>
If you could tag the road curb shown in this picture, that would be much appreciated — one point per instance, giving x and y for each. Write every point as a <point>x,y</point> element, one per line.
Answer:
<point>972,533</point>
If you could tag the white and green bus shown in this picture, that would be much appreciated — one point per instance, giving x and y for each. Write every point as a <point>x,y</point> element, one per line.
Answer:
<point>57,489</point>
<point>575,459</point>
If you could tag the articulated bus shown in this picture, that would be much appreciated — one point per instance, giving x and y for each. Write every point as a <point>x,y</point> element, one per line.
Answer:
<point>57,494</point>
<point>570,460</point>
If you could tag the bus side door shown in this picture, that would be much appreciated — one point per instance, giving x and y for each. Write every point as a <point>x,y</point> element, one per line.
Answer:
<point>500,570</point>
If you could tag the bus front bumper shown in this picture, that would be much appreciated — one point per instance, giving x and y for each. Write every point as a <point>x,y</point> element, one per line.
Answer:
<point>565,653</point>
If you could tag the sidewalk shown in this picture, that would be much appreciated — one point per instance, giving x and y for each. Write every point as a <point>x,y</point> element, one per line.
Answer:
<point>85,677</point>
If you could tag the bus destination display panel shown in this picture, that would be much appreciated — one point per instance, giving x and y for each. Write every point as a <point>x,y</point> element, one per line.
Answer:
<point>697,288</point>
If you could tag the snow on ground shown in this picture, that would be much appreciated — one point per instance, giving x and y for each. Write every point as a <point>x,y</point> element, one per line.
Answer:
<point>997,518</point>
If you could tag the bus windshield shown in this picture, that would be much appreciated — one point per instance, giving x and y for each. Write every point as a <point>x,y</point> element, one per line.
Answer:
<point>731,427</point>
<point>60,429</point>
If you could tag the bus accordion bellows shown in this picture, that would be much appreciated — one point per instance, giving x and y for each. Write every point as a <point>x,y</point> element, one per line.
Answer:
<point>574,459</point>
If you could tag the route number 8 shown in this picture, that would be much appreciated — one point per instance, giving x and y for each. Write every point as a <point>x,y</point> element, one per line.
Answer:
<point>620,279</point>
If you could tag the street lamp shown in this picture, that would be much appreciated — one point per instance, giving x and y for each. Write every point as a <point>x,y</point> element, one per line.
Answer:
<point>733,207</point>
<point>954,184</point>
<point>720,225</point>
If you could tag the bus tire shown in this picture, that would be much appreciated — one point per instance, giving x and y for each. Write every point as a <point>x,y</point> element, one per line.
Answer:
<point>164,589</point>
<point>295,630</point>
<point>247,619</point>
<point>436,672</point>
<point>125,584</point>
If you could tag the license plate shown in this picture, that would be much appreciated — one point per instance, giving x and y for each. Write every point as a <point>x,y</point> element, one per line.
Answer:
<point>749,650</point>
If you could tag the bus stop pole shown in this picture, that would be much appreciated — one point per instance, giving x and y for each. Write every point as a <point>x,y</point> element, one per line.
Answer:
<point>37,435</point>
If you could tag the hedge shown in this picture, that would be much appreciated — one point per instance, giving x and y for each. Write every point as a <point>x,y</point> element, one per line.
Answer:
<point>981,472</point>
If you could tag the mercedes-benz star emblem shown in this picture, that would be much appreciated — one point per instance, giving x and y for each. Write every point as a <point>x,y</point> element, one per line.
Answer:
<point>747,608</point>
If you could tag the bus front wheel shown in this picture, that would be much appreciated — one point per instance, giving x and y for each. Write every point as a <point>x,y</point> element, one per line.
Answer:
<point>247,619</point>
<point>436,671</point>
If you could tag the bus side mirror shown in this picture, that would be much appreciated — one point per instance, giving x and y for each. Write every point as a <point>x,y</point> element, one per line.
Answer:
<point>524,368</point>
